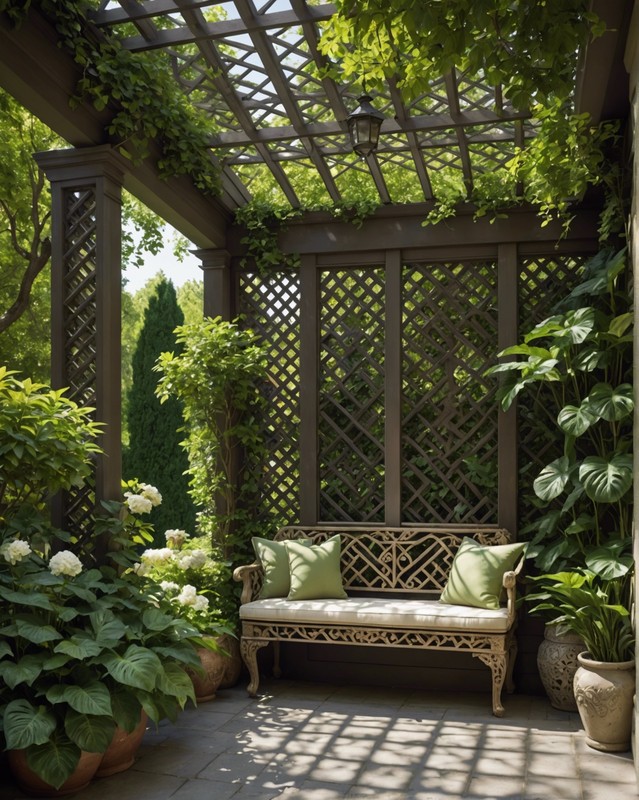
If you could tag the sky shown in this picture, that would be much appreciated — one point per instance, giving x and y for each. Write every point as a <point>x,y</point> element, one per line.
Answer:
<point>165,262</point>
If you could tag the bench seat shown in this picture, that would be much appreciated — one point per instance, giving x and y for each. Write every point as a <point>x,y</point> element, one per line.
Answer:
<point>378,613</point>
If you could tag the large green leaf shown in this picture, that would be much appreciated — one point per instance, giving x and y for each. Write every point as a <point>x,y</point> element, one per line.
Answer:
<point>26,670</point>
<point>174,681</point>
<point>138,667</point>
<point>155,620</point>
<point>5,649</point>
<point>126,708</point>
<point>606,481</point>
<point>109,630</point>
<point>553,478</point>
<point>79,647</point>
<point>32,629</point>
<point>574,420</point>
<point>92,698</point>
<point>25,724</point>
<point>611,561</point>
<point>54,761</point>
<point>610,403</point>
<point>31,599</point>
<point>90,733</point>
<point>619,325</point>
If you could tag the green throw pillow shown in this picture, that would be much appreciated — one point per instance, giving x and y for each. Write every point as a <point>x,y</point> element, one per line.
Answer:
<point>477,572</point>
<point>274,560</point>
<point>315,571</point>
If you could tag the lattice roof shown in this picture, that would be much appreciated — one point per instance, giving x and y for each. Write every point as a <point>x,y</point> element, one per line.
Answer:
<point>255,70</point>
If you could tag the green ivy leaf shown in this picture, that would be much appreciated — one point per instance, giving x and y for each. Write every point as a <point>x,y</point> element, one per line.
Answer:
<point>92,698</point>
<point>553,478</point>
<point>606,481</point>
<point>25,725</point>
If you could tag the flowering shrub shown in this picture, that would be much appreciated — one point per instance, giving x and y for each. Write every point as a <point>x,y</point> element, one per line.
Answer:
<point>189,579</point>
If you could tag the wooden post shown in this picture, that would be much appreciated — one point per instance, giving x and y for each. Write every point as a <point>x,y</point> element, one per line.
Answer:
<point>217,283</point>
<point>309,388</point>
<point>86,187</point>
<point>393,389</point>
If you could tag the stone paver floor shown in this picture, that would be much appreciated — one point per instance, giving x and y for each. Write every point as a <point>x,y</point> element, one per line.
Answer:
<point>319,742</point>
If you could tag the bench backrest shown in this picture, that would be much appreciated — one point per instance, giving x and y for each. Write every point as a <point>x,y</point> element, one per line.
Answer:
<point>407,561</point>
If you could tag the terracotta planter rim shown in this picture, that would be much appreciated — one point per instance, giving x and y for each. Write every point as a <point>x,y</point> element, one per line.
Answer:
<point>586,661</point>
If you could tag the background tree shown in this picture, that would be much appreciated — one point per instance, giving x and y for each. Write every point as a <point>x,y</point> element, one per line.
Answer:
<point>154,454</point>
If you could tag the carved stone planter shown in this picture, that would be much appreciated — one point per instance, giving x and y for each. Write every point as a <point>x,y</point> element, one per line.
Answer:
<point>207,684</point>
<point>557,664</point>
<point>604,692</point>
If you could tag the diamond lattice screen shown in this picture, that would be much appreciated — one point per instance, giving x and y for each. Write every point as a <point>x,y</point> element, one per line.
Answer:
<point>271,307</point>
<point>542,281</point>
<point>80,312</point>
<point>449,437</point>
<point>351,395</point>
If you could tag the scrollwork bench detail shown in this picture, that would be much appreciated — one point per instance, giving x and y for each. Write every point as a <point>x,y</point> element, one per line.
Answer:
<point>393,578</point>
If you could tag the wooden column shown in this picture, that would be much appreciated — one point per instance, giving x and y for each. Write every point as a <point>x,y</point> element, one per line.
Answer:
<point>309,391</point>
<point>393,389</point>
<point>507,279</point>
<point>86,286</point>
<point>217,283</point>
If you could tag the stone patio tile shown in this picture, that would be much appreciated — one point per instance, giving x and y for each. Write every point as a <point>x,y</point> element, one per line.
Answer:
<point>385,778</point>
<point>196,789</point>
<point>551,742</point>
<point>609,791</point>
<point>549,765</point>
<point>335,770</point>
<point>449,783</point>
<point>555,787</point>
<point>507,739</point>
<point>179,759</point>
<point>132,784</point>
<point>351,749</point>
<point>450,758</point>
<point>504,763</point>
<point>231,768</point>
<point>316,790</point>
<point>596,766</point>
<point>496,787</point>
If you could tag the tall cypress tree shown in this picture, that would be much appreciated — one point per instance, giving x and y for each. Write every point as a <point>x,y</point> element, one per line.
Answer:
<point>154,454</point>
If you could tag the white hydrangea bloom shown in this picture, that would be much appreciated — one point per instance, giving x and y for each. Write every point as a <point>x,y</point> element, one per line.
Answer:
<point>187,596</point>
<point>169,586</point>
<point>176,537</point>
<point>65,563</point>
<point>201,603</point>
<point>150,493</point>
<point>15,551</point>
<point>137,503</point>
<point>141,569</point>
<point>156,556</point>
<point>192,559</point>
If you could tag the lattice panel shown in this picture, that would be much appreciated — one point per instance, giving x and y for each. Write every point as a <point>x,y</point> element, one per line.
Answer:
<point>80,317</point>
<point>270,306</point>
<point>542,281</point>
<point>351,402</point>
<point>449,439</point>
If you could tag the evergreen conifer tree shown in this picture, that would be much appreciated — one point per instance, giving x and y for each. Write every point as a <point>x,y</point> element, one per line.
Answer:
<point>154,454</point>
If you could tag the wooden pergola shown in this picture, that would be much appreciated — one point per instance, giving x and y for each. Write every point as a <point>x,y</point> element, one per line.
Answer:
<point>416,313</point>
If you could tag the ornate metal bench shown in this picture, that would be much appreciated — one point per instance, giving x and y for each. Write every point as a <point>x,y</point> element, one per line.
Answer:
<point>393,577</point>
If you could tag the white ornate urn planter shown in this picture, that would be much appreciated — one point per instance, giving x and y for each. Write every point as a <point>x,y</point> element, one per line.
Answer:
<point>557,664</point>
<point>604,693</point>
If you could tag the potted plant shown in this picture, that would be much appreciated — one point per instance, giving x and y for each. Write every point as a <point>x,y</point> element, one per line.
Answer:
<point>576,367</point>
<point>85,647</point>
<point>190,580</point>
<point>597,609</point>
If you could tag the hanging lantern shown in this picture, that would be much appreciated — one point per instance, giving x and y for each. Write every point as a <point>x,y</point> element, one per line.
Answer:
<point>363,126</point>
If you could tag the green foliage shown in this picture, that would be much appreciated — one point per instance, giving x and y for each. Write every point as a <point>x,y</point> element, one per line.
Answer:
<point>218,377</point>
<point>154,440</point>
<point>592,606</point>
<point>152,110</point>
<point>579,362</point>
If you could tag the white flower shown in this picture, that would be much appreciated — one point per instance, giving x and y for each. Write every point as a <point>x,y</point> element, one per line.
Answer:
<point>187,596</point>
<point>169,586</point>
<point>201,603</point>
<point>141,569</point>
<point>137,503</point>
<point>192,559</point>
<point>150,493</point>
<point>65,563</point>
<point>157,556</point>
<point>176,537</point>
<point>15,551</point>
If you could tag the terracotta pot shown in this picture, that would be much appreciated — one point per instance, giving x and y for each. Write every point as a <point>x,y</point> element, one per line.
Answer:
<point>213,665</point>
<point>557,664</point>
<point>604,692</point>
<point>233,662</point>
<point>120,754</point>
<point>32,784</point>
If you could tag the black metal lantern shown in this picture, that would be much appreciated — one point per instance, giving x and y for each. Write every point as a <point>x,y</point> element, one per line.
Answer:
<point>363,126</point>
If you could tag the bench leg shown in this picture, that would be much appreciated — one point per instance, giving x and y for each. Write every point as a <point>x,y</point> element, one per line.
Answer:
<point>248,649</point>
<point>512,657</point>
<point>498,663</point>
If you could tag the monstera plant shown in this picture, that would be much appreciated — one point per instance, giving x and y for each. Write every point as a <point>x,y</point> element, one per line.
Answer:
<point>578,364</point>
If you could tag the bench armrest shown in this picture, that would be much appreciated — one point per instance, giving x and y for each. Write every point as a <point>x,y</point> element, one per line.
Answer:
<point>509,582</point>
<point>249,575</point>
